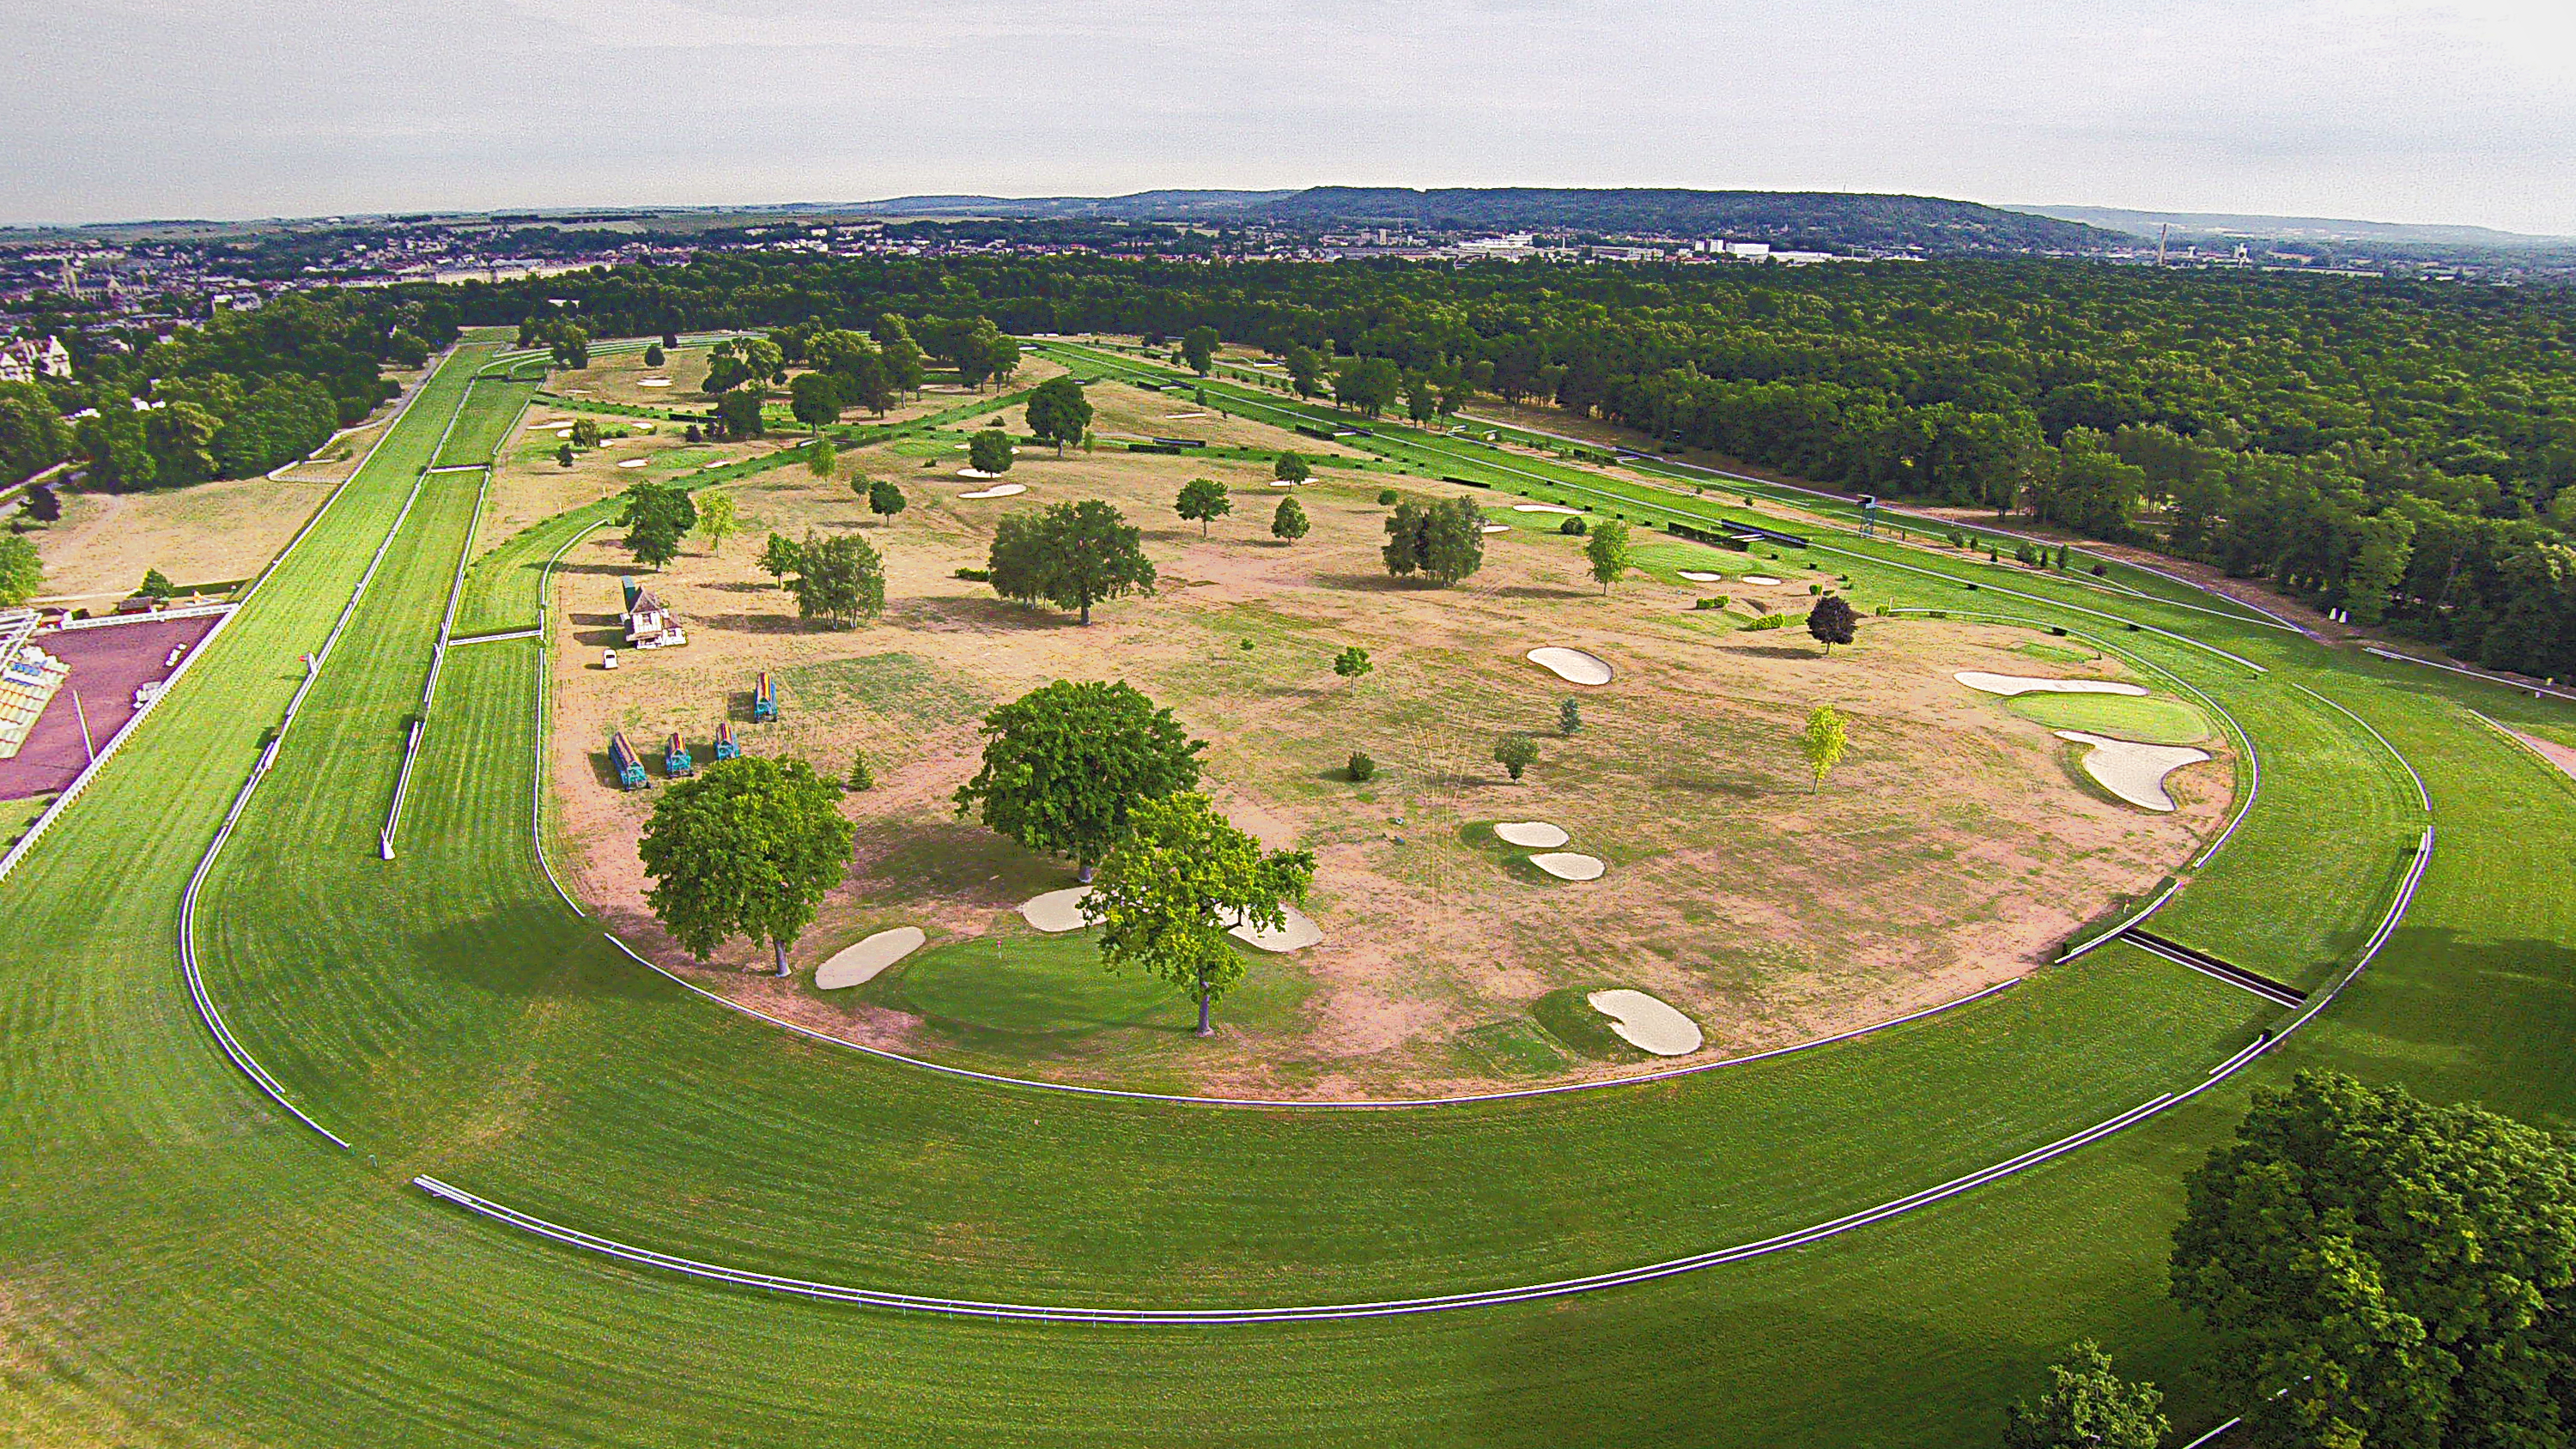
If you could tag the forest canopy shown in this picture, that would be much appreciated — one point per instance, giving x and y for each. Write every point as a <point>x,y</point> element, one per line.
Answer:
<point>2403,450</point>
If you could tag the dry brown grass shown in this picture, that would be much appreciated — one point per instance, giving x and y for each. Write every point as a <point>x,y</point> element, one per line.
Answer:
<point>1953,849</point>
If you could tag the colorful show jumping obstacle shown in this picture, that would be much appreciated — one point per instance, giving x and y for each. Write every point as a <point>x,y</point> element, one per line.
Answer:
<point>628,764</point>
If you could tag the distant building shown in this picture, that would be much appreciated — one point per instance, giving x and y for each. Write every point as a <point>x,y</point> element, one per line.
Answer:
<point>27,361</point>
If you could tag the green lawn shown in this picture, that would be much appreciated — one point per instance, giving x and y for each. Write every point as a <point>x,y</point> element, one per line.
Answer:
<point>182,1263</point>
<point>2151,720</point>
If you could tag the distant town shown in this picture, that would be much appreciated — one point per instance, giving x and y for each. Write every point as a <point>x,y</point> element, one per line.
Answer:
<point>122,277</point>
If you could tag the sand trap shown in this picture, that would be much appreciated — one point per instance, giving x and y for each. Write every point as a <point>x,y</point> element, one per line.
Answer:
<point>1536,834</point>
<point>1056,910</point>
<point>1760,579</point>
<point>1176,417</point>
<point>963,447</point>
<point>634,463</point>
<point>1297,935</point>
<point>1698,577</point>
<point>1648,1024</point>
<point>998,490</point>
<point>652,382</point>
<point>1543,508</point>
<point>2009,684</point>
<point>978,474</point>
<point>1283,482</point>
<point>563,432</point>
<point>1565,865</point>
<point>1571,665</point>
<point>1498,528</point>
<point>2134,772</point>
<point>863,961</point>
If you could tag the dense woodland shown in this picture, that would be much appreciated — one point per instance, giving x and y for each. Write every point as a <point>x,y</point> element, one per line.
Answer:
<point>239,395</point>
<point>2401,450</point>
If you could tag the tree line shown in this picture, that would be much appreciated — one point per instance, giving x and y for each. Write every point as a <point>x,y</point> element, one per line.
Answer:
<point>241,394</point>
<point>2395,449</point>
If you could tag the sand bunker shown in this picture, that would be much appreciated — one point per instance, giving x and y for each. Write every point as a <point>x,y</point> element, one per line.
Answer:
<point>634,463</point>
<point>863,961</point>
<point>1535,834</point>
<point>1760,579</point>
<point>1648,1024</point>
<point>1056,910</point>
<point>1283,482</point>
<point>1698,577</point>
<point>978,474</point>
<point>652,382</point>
<point>2134,772</point>
<point>1176,417</point>
<point>1299,933</point>
<point>1498,528</point>
<point>998,490</point>
<point>1565,865</point>
<point>2010,684</point>
<point>1571,665</point>
<point>1543,508</point>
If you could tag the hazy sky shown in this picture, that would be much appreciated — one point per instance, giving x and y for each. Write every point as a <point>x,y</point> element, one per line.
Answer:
<point>2459,111</point>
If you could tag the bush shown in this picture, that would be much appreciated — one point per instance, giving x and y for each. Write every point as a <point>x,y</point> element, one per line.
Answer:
<point>975,575</point>
<point>1713,601</point>
<point>1574,528</point>
<point>1769,621</point>
<point>1815,588</point>
<point>1362,768</point>
<point>1386,497</point>
<point>2099,571</point>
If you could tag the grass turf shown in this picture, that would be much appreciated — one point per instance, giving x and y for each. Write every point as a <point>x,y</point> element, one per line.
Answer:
<point>2151,721</point>
<point>175,1232</point>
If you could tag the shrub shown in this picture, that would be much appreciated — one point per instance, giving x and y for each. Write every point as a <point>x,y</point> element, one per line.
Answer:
<point>1386,497</point>
<point>975,575</point>
<point>1769,621</point>
<point>1815,588</point>
<point>2099,571</point>
<point>1573,528</point>
<point>1362,768</point>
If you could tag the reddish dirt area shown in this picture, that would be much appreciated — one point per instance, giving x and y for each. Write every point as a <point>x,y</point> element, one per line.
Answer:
<point>109,662</point>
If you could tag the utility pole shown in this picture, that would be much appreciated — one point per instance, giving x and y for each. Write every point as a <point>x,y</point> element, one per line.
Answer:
<point>2163,229</point>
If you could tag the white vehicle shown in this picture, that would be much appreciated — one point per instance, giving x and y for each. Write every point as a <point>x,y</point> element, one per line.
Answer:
<point>608,659</point>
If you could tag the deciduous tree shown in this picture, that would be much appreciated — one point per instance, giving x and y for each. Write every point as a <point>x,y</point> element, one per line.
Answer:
<point>1059,413</point>
<point>1065,766</point>
<point>1832,622</point>
<point>1073,555</point>
<point>815,398</point>
<point>1198,349</point>
<point>1821,742</point>
<point>885,500</point>
<point>22,573</point>
<point>1609,552</point>
<point>2087,1406</point>
<point>1175,882</point>
<point>839,580</point>
<point>749,847</point>
<point>779,557</point>
<point>1292,467</point>
<point>1444,542</point>
<point>1289,523</point>
<point>989,451</point>
<point>1202,501</point>
<point>2375,1270</point>
<point>717,520</point>
<point>1516,753</point>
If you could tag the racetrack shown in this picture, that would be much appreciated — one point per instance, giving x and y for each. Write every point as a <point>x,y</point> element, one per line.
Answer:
<point>448,1015</point>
